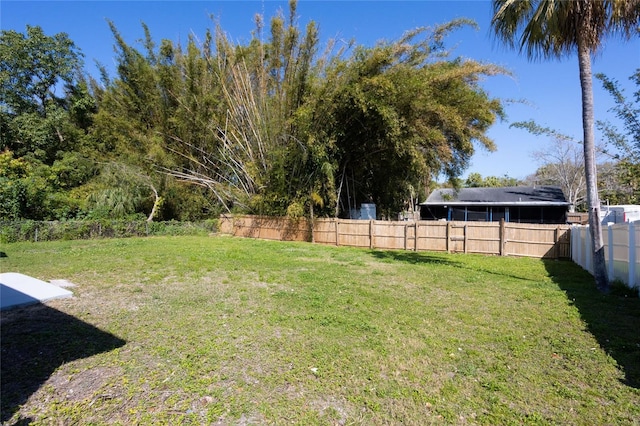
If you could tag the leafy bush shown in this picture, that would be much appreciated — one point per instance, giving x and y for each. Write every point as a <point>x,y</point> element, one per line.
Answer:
<point>31,230</point>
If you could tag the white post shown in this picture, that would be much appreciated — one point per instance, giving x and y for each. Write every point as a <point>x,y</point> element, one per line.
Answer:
<point>632,256</point>
<point>609,245</point>
<point>571,245</point>
<point>588,258</point>
<point>576,237</point>
<point>586,250</point>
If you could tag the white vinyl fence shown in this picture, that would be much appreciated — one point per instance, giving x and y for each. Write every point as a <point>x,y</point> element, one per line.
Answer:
<point>622,251</point>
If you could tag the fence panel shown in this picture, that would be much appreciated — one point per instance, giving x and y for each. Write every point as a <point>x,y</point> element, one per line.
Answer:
<point>389,235</point>
<point>354,233</point>
<point>268,228</point>
<point>537,240</point>
<point>325,231</point>
<point>483,238</point>
<point>456,237</point>
<point>581,247</point>
<point>432,236</point>
<point>617,252</point>
<point>621,251</point>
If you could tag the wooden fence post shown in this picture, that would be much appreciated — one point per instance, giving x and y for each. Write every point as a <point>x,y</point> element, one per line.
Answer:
<point>502,238</point>
<point>464,230</point>
<point>406,235</point>
<point>337,222</point>
<point>371,235</point>
<point>448,237</point>
<point>415,236</point>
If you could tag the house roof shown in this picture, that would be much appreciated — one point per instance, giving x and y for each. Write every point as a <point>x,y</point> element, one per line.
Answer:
<point>505,196</point>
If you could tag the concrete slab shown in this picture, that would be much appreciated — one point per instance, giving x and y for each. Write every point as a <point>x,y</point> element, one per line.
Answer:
<point>20,290</point>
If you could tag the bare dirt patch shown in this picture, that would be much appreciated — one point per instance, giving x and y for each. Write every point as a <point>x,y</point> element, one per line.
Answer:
<point>83,385</point>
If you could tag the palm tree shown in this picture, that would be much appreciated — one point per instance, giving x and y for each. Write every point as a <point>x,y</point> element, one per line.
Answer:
<point>554,28</point>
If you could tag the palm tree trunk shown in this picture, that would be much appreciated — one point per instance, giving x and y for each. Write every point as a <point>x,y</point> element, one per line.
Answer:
<point>591,175</point>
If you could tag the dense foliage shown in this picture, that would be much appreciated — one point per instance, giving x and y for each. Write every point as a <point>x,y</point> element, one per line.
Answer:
<point>279,125</point>
<point>45,111</point>
<point>273,126</point>
<point>476,180</point>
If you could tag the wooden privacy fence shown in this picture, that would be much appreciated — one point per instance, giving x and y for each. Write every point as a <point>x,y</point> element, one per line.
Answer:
<point>495,238</point>
<point>269,228</point>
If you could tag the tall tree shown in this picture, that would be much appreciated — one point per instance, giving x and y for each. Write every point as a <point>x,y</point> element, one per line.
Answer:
<point>158,96</point>
<point>38,79</point>
<point>272,127</point>
<point>626,141</point>
<point>32,65</point>
<point>46,111</point>
<point>555,28</point>
<point>403,111</point>
<point>475,180</point>
<point>256,156</point>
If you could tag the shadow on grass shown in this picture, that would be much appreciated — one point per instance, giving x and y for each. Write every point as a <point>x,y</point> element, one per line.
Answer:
<point>412,257</point>
<point>35,341</point>
<point>613,319</point>
<point>416,258</point>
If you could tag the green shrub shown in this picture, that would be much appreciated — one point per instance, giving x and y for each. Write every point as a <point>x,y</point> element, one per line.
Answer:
<point>30,230</point>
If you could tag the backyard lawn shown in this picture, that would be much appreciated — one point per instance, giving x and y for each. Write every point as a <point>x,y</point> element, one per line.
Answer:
<point>221,330</point>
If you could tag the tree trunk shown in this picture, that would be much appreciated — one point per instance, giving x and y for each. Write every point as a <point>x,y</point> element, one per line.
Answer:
<point>591,176</point>
<point>339,191</point>
<point>156,204</point>
<point>312,220</point>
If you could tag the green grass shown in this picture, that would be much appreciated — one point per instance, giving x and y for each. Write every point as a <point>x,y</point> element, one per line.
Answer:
<point>199,330</point>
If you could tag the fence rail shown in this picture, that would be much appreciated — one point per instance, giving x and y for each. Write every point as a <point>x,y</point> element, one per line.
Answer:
<point>494,238</point>
<point>621,251</point>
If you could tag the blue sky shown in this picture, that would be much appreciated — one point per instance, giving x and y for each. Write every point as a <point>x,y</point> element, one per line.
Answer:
<point>550,89</point>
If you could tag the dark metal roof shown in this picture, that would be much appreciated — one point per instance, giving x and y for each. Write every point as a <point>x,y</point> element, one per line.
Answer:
<point>506,196</point>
